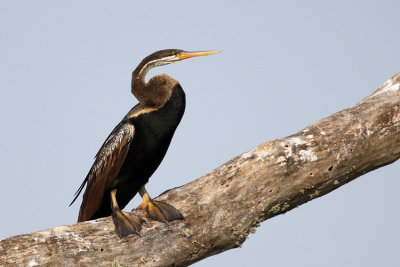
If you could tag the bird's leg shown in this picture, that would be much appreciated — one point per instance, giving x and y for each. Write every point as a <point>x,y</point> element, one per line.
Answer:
<point>158,210</point>
<point>125,224</point>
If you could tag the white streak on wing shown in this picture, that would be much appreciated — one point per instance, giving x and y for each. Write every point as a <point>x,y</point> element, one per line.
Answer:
<point>112,144</point>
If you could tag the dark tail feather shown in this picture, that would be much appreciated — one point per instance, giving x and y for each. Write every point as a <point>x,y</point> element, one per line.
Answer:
<point>78,192</point>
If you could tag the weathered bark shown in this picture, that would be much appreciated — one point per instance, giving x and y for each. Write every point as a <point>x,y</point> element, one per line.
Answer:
<point>224,206</point>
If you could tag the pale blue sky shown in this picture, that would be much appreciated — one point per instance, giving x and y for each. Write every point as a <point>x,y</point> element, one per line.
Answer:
<point>65,83</point>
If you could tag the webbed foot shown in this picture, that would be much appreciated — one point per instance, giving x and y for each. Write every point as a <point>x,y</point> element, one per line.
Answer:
<point>158,210</point>
<point>125,224</point>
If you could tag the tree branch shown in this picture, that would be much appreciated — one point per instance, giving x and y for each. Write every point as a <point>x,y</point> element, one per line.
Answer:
<point>224,206</point>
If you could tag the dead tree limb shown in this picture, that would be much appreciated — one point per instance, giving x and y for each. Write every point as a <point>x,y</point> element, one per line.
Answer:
<point>224,206</point>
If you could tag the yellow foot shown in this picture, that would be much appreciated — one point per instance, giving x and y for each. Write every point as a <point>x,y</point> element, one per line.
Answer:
<point>160,211</point>
<point>126,224</point>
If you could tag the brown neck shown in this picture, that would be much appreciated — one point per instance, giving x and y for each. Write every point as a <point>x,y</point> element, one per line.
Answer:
<point>138,78</point>
<point>156,92</point>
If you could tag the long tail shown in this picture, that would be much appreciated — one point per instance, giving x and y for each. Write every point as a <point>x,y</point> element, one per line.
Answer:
<point>78,192</point>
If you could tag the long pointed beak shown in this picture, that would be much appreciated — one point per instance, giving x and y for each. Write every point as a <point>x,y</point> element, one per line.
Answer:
<point>184,54</point>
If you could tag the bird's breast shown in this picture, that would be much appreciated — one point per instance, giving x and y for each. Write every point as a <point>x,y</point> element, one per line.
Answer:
<point>153,133</point>
<point>155,129</point>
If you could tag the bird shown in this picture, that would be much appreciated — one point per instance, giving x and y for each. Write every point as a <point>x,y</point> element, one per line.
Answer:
<point>135,148</point>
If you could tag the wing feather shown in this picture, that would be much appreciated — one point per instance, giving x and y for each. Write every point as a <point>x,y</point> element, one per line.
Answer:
<point>108,163</point>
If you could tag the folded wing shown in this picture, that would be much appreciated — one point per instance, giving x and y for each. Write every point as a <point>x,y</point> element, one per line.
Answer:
<point>108,163</point>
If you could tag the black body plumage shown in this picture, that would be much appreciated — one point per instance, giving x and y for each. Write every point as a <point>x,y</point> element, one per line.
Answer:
<point>153,134</point>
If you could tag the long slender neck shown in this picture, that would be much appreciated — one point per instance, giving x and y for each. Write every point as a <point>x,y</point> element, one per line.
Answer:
<point>139,75</point>
<point>157,91</point>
